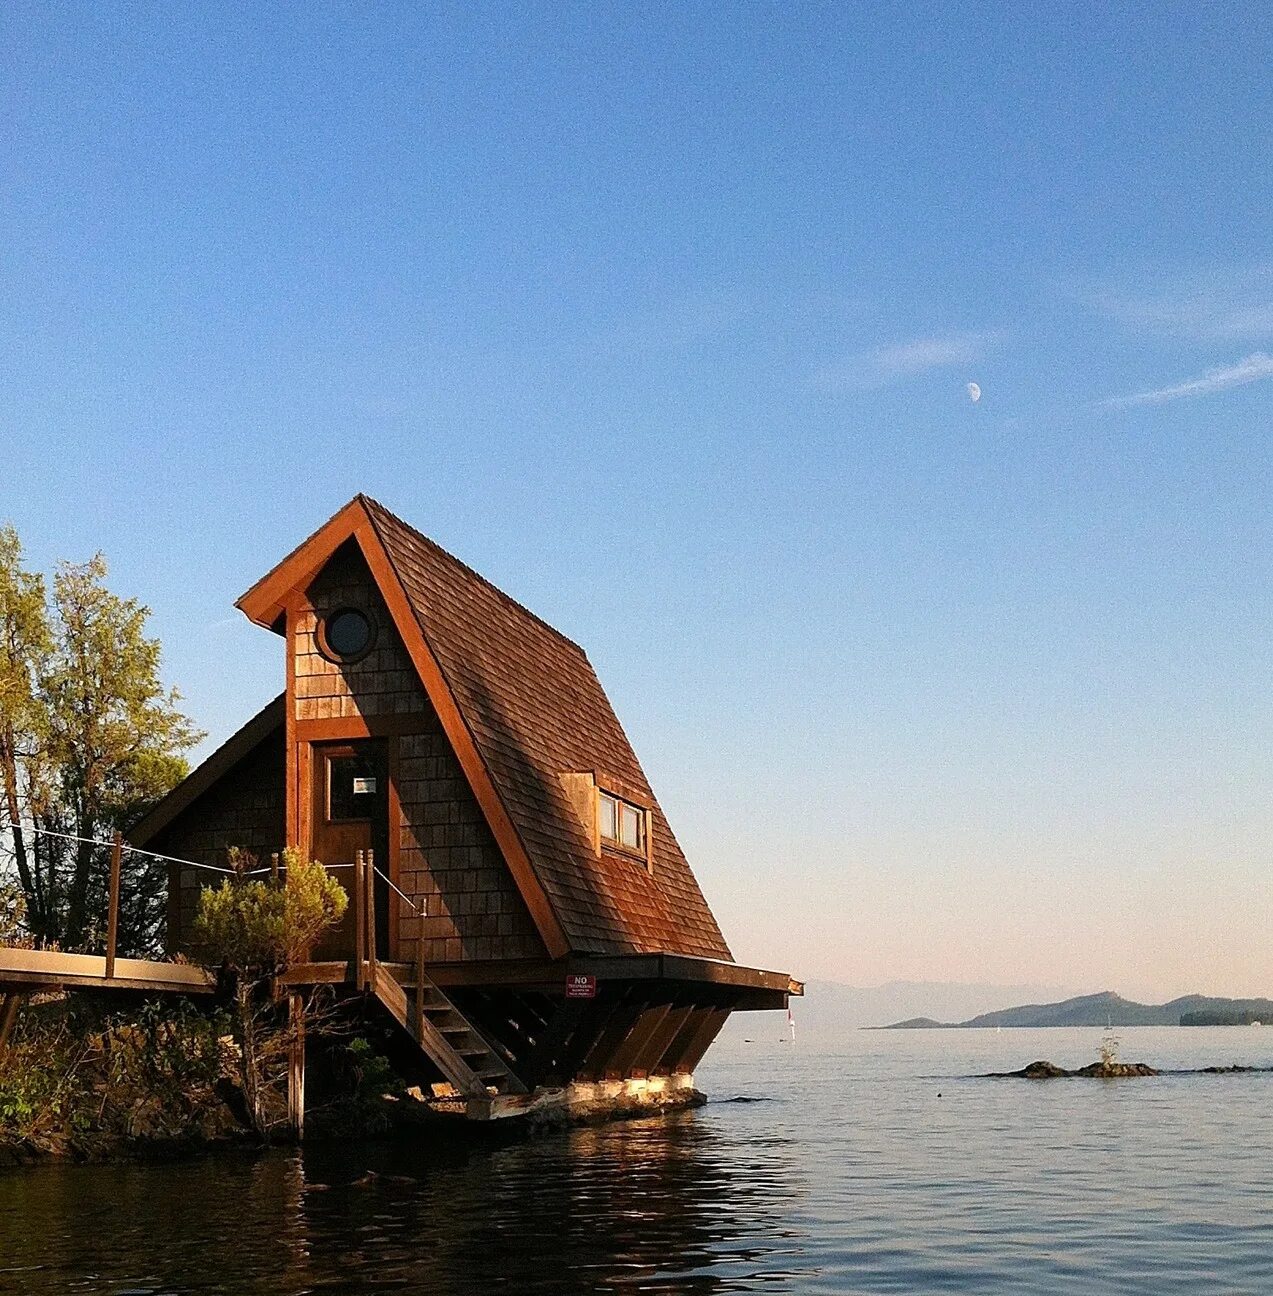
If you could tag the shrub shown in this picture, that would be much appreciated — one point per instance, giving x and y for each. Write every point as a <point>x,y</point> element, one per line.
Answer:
<point>255,929</point>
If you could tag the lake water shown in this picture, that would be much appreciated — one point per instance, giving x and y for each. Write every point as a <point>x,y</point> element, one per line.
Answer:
<point>864,1163</point>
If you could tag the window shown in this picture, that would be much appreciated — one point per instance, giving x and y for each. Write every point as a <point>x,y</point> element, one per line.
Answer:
<point>346,635</point>
<point>352,788</point>
<point>621,822</point>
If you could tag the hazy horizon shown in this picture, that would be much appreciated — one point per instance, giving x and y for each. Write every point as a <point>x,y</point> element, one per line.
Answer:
<point>883,402</point>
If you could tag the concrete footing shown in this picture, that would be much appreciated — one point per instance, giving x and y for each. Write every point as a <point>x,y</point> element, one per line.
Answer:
<point>588,1101</point>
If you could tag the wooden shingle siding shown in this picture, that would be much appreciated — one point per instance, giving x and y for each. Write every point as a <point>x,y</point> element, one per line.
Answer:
<point>245,807</point>
<point>448,861</point>
<point>382,683</point>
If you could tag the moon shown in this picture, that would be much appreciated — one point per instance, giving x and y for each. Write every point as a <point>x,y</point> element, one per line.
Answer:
<point>974,393</point>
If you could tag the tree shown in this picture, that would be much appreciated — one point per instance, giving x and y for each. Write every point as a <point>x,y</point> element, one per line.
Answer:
<point>89,740</point>
<point>253,930</point>
<point>26,644</point>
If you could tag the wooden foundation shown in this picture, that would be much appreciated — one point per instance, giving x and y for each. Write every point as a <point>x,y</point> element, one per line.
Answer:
<point>296,1066</point>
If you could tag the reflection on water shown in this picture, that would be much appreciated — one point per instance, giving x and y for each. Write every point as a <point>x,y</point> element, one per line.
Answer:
<point>869,1166</point>
<point>665,1205</point>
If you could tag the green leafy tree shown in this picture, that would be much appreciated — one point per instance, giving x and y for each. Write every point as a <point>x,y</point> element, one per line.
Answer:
<point>26,645</point>
<point>89,740</point>
<point>115,734</point>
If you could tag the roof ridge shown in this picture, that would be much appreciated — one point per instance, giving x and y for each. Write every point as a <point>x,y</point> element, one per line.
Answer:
<point>376,505</point>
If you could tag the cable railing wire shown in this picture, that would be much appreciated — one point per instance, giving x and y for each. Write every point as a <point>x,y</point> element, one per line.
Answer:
<point>106,844</point>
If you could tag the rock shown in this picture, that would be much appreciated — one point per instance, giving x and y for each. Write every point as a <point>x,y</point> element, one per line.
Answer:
<point>1040,1071</point>
<point>1115,1070</point>
<point>1097,1070</point>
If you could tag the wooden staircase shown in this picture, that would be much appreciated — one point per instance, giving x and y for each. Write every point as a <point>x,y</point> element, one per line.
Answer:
<point>438,1028</point>
<point>445,1037</point>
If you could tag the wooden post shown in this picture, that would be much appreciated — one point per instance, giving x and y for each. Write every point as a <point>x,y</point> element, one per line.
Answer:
<point>296,1066</point>
<point>112,913</point>
<point>360,929</point>
<point>8,1015</point>
<point>370,876</point>
<point>274,868</point>
<point>419,978</point>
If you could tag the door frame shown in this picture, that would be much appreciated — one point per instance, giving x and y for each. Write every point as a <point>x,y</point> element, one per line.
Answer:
<point>306,770</point>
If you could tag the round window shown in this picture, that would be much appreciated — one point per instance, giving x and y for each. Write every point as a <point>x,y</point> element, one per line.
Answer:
<point>346,634</point>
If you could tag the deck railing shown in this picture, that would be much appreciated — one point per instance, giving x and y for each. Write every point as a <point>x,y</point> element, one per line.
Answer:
<point>362,894</point>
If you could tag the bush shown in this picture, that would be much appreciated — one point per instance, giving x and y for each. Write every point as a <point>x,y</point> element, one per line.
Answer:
<point>74,1078</point>
<point>254,929</point>
<point>258,928</point>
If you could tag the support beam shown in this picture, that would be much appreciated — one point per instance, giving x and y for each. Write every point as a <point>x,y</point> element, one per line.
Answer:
<point>619,1066</point>
<point>296,1065</point>
<point>647,1062</point>
<point>112,910</point>
<point>670,1062</point>
<point>540,1063</point>
<point>702,1041</point>
<point>8,1016</point>
<point>623,1017</point>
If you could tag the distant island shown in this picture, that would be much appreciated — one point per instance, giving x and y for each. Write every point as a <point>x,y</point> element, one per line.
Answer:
<point>1109,1007</point>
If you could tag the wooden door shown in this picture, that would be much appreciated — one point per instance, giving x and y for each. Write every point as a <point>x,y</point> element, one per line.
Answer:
<point>350,814</point>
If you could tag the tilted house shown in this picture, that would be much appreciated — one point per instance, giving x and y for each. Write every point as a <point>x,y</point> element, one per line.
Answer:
<point>527,914</point>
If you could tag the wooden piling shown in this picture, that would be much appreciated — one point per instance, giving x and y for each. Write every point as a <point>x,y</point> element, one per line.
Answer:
<point>112,913</point>
<point>296,1065</point>
<point>419,979</point>
<point>8,1016</point>
<point>369,875</point>
<point>360,930</point>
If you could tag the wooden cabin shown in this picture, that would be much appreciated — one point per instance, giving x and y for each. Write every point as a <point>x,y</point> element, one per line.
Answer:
<point>520,903</point>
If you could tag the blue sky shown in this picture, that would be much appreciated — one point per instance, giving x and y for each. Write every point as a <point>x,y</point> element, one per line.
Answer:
<point>664,320</point>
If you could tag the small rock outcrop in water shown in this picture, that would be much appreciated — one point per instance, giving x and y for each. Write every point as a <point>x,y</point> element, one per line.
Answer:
<point>1097,1071</point>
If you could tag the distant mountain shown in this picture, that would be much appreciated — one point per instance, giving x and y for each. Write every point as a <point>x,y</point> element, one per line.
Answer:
<point>1098,1009</point>
<point>831,1005</point>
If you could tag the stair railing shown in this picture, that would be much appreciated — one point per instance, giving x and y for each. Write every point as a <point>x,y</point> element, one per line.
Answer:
<point>365,874</point>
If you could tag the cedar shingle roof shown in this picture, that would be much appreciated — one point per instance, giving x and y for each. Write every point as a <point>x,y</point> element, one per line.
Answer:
<point>535,709</point>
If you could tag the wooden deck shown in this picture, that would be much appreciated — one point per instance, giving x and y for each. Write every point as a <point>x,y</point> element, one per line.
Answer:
<point>26,971</point>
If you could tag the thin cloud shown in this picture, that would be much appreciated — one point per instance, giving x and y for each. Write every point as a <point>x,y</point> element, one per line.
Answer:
<point>1226,304</point>
<point>885,364</point>
<point>1253,368</point>
<point>1197,318</point>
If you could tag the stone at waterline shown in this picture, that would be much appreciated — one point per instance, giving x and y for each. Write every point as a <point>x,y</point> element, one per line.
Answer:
<point>1096,1070</point>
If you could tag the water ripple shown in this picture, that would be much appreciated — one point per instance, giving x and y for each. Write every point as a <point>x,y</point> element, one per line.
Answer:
<point>828,1170</point>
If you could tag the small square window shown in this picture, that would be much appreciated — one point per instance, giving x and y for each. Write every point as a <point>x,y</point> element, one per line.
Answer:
<point>630,826</point>
<point>620,822</point>
<point>352,786</point>
<point>608,817</point>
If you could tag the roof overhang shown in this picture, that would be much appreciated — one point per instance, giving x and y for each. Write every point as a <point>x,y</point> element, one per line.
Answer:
<point>270,718</point>
<point>266,602</point>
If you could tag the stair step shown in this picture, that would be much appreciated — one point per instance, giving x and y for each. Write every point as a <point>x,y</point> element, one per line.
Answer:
<point>450,1040</point>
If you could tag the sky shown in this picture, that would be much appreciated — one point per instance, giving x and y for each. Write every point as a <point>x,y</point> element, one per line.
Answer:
<point>663,317</point>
